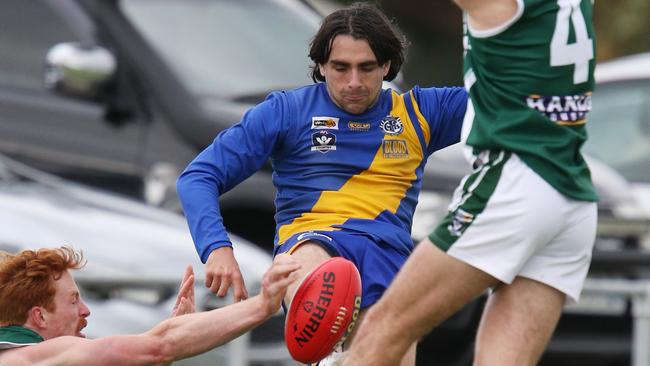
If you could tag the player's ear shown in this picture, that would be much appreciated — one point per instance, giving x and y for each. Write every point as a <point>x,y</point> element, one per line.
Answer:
<point>36,317</point>
<point>386,68</point>
<point>321,69</point>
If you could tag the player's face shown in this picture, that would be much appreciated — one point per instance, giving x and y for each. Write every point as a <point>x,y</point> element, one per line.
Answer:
<point>70,312</point>
<point>352,74</point>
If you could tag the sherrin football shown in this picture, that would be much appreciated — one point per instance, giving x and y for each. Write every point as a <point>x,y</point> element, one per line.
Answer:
<point>324,310</point>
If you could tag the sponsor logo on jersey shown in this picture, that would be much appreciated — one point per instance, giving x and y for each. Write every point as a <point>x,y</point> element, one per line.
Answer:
<point>394,149</point>
<point>358,126</point>
<point>564,110</point>
<point>324,123</point>
<point>461,221</point>
<point>323,141</point>
<point>391,125</point>
<point>310,234</point>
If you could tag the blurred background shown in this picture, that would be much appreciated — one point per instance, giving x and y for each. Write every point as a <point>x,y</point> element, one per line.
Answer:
<point>104,102</point>
<point>435,28</point>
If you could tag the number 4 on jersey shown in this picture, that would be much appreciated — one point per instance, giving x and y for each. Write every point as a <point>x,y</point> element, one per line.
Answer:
<point>578,53</point>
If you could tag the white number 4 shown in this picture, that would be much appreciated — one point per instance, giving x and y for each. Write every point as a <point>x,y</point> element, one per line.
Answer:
<point>578,53</point>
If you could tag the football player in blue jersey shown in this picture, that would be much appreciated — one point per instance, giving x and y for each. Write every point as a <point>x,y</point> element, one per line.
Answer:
<point>347,155</point>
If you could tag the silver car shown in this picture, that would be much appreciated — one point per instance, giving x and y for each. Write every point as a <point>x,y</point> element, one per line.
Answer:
<point>619,124</point>
<point>136,256</point>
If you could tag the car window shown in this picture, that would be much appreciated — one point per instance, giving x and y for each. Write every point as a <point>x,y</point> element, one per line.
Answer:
<point>619,128</point>
<point>229,47</point>
<point>27,31</point>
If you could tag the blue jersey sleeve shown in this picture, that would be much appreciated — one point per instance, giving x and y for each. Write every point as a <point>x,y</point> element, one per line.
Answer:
<point>235,154</point>
<point>444,109</point>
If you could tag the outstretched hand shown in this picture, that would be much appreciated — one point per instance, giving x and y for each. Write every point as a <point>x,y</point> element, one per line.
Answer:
<point>282,273</point>
<point>185,303</point>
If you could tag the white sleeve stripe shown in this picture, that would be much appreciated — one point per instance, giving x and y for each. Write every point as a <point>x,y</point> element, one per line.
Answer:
<point>9,345</point>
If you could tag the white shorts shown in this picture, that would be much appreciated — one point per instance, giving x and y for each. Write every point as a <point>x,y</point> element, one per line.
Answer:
<point>507,221</point>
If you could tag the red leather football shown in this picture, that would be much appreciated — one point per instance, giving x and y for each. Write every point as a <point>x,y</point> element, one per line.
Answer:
<point>324,310</point>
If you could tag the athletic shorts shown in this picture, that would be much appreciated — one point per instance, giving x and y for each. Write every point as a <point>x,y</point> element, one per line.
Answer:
<point>377,262</point>
<point>507,221</point>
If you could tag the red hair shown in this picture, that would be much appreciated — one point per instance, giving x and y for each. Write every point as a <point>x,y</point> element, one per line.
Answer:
<point>27,280</point>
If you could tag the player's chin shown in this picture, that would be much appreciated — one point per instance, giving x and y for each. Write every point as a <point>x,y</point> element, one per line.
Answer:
<point>356,107</point>
<point>81,326</point>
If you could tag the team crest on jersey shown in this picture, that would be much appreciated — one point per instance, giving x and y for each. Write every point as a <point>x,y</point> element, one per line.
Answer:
<point>394,149</point>
<point>564,109</point>
<point>460,222</point>
<point>391,125</point>
<point>359,126</point>
<point>323,141</point>
<point>324,123</point>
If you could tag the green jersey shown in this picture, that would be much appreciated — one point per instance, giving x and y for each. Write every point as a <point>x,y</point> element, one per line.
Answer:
<point>14,336</point>
<point>530,84</point>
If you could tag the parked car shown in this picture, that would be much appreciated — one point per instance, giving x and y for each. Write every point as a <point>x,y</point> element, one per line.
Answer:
<point>619,124</point>
<point>125,93</point>
<point>136,257</point>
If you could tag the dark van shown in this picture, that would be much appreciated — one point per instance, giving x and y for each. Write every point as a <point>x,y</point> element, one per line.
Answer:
<point>127,92</point>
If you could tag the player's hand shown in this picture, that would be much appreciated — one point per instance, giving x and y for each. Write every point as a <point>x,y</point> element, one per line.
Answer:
<point>222,272</point>
<point>276,280</point>
<point>185,303</point>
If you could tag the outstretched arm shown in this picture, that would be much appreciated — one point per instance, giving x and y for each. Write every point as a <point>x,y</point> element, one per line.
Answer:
<point>173,339</point>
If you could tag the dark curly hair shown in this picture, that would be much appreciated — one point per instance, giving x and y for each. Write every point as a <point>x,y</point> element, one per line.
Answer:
<point>361,21</point>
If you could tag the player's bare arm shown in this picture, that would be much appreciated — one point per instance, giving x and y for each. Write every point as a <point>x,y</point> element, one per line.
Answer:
<point>488,14</point>
<point>173,339</point>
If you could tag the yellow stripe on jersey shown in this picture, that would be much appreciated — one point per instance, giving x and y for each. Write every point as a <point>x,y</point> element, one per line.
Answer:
<point>572,123</point>
<point>424,125</point>
<point>365,195</point>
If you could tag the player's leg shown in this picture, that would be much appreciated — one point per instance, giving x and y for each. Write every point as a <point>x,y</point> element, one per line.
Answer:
<point>429,288</point>
<point>519,318</point>
<point>309,254</point>
<point>337,357</point>
<point>517,323</point>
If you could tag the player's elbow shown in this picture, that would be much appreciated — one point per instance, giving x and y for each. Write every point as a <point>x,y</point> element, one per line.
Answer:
<point>160,349</point>
<point>182,185</point>
<point>160,352</point>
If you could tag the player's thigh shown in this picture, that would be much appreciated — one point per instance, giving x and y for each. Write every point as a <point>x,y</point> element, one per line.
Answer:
<point>501,215</point>
<point>429,288</point>
<point>517,323</point>
<point>309,254</point>
<point>564,262</point>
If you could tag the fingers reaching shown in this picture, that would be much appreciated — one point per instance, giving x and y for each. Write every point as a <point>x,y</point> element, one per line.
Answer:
<point>281,274</point>
<point>185,299</point>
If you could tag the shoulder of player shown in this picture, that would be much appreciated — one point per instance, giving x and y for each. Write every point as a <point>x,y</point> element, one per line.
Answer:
<point>46,353</point>
<point>436,95</point>
<point>63,351</point>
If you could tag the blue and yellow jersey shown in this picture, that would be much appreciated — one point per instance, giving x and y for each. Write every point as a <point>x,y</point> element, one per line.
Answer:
<point>332,170</point>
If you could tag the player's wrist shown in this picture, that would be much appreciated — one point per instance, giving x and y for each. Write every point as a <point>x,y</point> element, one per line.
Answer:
<point>264,307</point>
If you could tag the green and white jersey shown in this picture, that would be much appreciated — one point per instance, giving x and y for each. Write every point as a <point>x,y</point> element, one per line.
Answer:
<point>14,336</point>
<point>530,83</point>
